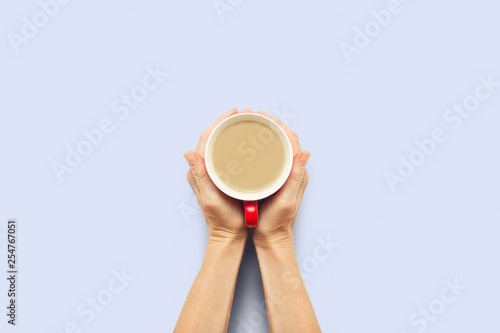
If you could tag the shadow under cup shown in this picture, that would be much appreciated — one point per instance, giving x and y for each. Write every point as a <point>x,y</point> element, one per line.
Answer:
<point>249,157</point>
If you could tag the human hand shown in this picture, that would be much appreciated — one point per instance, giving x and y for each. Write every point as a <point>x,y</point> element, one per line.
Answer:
<point>224,215</point>
<point>278,212</point>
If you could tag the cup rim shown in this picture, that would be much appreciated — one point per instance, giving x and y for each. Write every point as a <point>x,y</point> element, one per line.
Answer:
<point>288,157</point>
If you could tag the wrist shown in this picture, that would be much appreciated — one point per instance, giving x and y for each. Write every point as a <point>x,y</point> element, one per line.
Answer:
<point>223,254</point>
<point>227,239</point>
<point>281,240</point>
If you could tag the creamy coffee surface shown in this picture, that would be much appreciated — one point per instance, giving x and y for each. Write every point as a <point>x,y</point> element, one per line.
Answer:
<point>248,156</point>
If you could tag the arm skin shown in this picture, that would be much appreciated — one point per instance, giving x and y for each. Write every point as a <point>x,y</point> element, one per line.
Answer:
<point>208,304</point>
<point>289,308</point>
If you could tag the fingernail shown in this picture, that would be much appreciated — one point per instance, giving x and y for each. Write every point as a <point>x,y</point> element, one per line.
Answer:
<point>232,110</point>
<point>304,158</point>
<point>191,158</point>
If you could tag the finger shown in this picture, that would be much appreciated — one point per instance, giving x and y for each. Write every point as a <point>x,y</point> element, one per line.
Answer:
<point>200,175</point>
<point>192,182</point>
<point>294,138</point>
<point>274,118</point>
<point>200,149</point>
<point>246,110</point>
<point>303,186</point>
<point>294,182</point>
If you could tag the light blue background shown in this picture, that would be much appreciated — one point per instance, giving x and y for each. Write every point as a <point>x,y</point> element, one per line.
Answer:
<point>121,208</point>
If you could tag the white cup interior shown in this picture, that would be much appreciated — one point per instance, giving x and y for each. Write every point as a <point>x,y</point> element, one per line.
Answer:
<point>254,195</point>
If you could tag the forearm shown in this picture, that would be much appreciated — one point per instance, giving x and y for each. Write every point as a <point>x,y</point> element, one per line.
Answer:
<point>208,304</point>
<point>289,308</point>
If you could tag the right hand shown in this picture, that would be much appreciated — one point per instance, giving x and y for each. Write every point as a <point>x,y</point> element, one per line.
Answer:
<point>277,213</point>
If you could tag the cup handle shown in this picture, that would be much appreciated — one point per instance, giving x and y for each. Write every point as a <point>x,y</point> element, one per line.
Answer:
<point>251,214</point>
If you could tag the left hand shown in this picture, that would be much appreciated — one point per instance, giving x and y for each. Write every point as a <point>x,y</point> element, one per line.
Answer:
<point>224,215</point>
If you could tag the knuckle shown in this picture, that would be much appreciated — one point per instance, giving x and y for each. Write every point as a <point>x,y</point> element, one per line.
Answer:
<point>297,180</point>
<point>298,174</point>
<point>286,206</point>
<point>209,206</point>
<point>198,175</point>
<point>306,178</point>
<point>205,133</point>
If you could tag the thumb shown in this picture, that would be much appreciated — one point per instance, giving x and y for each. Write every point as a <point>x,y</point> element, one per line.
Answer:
<point>294,181</point>
<point>198,169</point>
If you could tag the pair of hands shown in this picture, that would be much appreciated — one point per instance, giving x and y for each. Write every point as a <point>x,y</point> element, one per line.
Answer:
<point>225,216</point>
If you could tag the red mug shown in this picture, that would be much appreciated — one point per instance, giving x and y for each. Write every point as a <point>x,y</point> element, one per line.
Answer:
<point>250,200</point>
